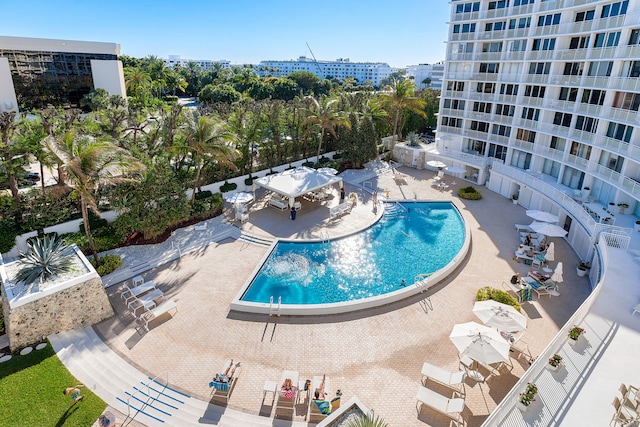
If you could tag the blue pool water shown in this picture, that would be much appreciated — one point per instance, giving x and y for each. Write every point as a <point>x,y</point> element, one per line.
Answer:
<point>412,238</point>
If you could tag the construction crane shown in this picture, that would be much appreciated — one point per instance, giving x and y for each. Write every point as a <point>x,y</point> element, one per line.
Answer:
<point>316,61</point>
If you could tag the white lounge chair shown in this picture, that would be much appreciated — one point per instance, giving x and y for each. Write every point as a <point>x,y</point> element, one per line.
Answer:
<point>221,389</point>
<point>285,400</point>
<point>314,411</point>
<point>156,312</point>
<point>451,407</point>
<point>450,379</point>
<point>146,301</point>
<point>129,293</point>
<point>439,176</point>
<point>523,228</point>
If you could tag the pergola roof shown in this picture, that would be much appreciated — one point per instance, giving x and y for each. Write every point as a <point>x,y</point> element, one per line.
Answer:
<point>296,182</point>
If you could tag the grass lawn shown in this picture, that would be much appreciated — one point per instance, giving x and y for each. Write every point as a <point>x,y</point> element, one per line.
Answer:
<point>31,389</point>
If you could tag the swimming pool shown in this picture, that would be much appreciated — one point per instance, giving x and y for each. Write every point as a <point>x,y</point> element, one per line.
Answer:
<point>413,240</point>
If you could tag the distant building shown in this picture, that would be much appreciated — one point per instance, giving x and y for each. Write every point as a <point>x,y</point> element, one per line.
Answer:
<point>204,64</point>
<point>420,72</point>
<point>37,72</point>
<point>340,69</point>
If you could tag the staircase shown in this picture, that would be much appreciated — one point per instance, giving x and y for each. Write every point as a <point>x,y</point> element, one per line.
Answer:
<point>254,240</point>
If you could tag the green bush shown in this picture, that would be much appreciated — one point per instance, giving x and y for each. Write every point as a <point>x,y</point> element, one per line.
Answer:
<point>308,164</point>
<point>171,99</point>
<point>488,293</point>
<point>8,231</point>
<point>95,222</point>
<point>249,181</point>
<point>228,186</point>
<point>108,264</point>
<point>104,238</point>
<point>469,193</point>
<point>201,195</point>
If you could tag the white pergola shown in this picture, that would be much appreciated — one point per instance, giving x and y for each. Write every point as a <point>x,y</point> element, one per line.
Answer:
<point>296,182</point>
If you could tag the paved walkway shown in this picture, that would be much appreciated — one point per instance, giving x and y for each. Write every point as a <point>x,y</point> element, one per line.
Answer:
<point>376,354</point>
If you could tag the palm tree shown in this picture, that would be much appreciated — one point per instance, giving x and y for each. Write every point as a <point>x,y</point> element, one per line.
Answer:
<point>207,139</point>
<point>367,420</point>
<point>400,98</point>
<point>89,163</point>
<point>31,135</point>
<point>136,81</point>
<point>8,125</point>
<point>323,115</point>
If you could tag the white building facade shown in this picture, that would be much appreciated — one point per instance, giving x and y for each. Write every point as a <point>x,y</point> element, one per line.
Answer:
<point>35,72</point>
<point>340,69</point>
<point>421,72</point>
<point>204,64</point>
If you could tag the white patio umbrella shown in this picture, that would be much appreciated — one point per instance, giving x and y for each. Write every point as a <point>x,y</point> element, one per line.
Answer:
<point>501,316</point>
<point>436,164</point>
<point>549,230</point>
<point>550,255</point>
<point>480,343</point>
<point>542,216</point>
<point>328,171</point>
<point>236,198</point>
<point>556,277</point>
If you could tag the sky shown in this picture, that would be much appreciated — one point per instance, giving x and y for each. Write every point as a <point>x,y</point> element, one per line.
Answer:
<point>243,31</point>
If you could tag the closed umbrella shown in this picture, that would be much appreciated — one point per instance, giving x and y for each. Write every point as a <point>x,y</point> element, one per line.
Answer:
<point>550,255</point>
<point>480,343</point>
<point>501,316</point>
<point>557,274</point>
<point>542,216</point>
<point>549,230</point>
<point>436,164</point>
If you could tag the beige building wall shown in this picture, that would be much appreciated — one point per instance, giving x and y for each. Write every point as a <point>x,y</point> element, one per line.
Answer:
<point>8,101</point>
<point>109,75</point>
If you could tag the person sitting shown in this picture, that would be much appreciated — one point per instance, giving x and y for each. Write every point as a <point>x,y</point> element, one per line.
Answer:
<point>319,392</point>
<point>516,279</point>
<point>320,399</point>
<point>541,278</point>
<point>527,240</point>
<point>288,390</point>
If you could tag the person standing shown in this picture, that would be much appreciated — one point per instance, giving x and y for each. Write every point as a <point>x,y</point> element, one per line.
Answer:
<point>374,198</point>
<point>293,213</point>
<point>342,194</point>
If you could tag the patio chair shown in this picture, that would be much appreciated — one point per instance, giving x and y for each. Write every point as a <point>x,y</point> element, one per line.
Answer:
<point>322,408</point>
<point>130,293</point>
<point>439,176</point>
<point>539,288</point>
<point>620,416</point>
<point>286,399</point>
<point>453,380</point>
<point>224,382</point>
<point>451,407</point>
<point>150,314</point>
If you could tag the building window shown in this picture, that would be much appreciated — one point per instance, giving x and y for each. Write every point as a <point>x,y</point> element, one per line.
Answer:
<point>519,23</point>
<point>522,2</point>
<point>479,126</point>
<point>562,119</point>
<point>573,69</point>
<point>547,20</point>
<point>463,48</point>
<point>539,67</point>
<point>579,42</point>
<point>464,28</point>
<point>489,67</point>
<point>517,45</point>
<point>611,161</point>
<point>500,4</point>
<point>551,168</point>
<point>568,94</point>
<point>585,16</point>
<point>558,143</point>
<point>501,130</point>
<point>455,104</point>
<point>614,9</point>
<point>452,122</point>
<point>505,110</point>
<point>455,86</point>
<point>631,69</point>
<point>586,124</point>
<point>468,7</point>
<point>534,91</point>
<point>634,37</point>
<point>572,178</point>
<point>482,107</point>
<point>529,113</point>
<point>475,146</point>
<point>526,135</point>
<point>607,39</point>
<point>626,101</point>
<point>619,131</point>
<point>508,89</point>
<point>497,151</point>
<point>580,150</point>
<point>544,44</point>
<point>495,26</point>
<point>486,87</point>
<point>521,159</point>
<point>492,47</point>
<point>600,69</point>
<point>593,96</point>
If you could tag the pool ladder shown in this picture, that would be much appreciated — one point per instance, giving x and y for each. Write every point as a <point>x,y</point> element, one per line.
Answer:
<point>274,310</point>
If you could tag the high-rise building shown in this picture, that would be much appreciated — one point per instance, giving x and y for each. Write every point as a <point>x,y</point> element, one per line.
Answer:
<point>37,72</point>
<point>204,64</point>
<point>341,69</point>
<point>427,75</point>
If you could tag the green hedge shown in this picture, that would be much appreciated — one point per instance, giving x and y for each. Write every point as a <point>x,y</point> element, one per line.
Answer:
<point>249,181</point>
<point>228,186</point>
<point>108,264</point>
<point>8,230</point>
<point>488,293</point>
<point>469,193</point>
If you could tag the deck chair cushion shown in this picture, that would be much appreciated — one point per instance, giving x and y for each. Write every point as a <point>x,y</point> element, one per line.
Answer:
<point>335,403</point>
<point>324,406</point>
<point>289,394</point>
<point>218,385</point>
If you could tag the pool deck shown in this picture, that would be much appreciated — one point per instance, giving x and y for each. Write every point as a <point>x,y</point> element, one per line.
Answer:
<point>376,354</point>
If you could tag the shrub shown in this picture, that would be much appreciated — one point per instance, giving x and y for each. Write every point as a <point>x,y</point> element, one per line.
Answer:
<point>249,181</point>
<point>488,293</point>
<point>95,222</point>
<point>8,231</point>
<point>308,164</point>
<point>171,99</point>
<point>228,186</point>
<point>469,193</point>
<point>108,264</point>
<point>201,195</point>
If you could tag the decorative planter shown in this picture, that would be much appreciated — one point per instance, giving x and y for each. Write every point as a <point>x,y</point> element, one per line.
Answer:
<point>555,368</point>
<point>572,342</point>
<point>522,406</point>
<point>515,201</point>
<point>581,272</point>
<point>636,226</point>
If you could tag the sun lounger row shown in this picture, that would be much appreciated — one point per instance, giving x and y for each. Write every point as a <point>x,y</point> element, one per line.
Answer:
<point>150,314</point>
<point>130,293</point>
<point>290,388</point>
<point>450,406</point>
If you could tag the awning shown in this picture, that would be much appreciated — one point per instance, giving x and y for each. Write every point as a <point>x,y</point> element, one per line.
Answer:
<point>293,183</point>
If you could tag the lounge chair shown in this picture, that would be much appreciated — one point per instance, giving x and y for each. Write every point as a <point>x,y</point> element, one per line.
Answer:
<point>132,292</point>
<point>451,407</point>
<point>287,399</point>
<point>164,308</point>
<point>439,176</point>
<point>314,409</point>
<point>221,388</point>
<point>454,380</point>
<point>523,228</point>
<point>522,292</point>
<point>539,288</point>
<point>146,301</point>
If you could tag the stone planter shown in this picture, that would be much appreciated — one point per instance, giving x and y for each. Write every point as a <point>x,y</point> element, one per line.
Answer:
<point>515,201</point>
<point>522,406</point>
<point>555,368</point>
<point>581,272</point>
<point>572,342</point>
<point>636,227</point>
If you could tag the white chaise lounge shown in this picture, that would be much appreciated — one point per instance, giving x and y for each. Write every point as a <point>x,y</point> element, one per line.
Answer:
<point>451,407</point>
<point>454,380</point>
<point>134,292</point>
<point>164,308</point>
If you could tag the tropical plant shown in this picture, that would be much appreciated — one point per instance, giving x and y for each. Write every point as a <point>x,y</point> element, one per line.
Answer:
<point>367,420</point>
<point>555,360</point>
<point>469,193</point>
<point>88,164</point>
<point>399,98</point>
<point>575,332</point>
<point>528,397</point>
<point>46,257</point>
<point>323,116</point>
<point>489,293</point>
<point>8,127</point>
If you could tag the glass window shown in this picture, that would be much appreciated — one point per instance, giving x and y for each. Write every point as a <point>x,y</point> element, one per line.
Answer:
<point>521,159</point>
<point>539,67</point>
<point>586,124</point>
<point>585,16</point>
<point>558,143</point>
<point>572,178</point>
<point>634,37</point>
<point>546,20</point>
<point>619,131</point>
<point>562,119</point>
<point>505,110</point>
<point>573,68</point>
<point>490,67</point>
<point>600,69</point>
<point>497,151</point>
<point>530,113</point>
<point>614,9</point>
<point>508,89</point>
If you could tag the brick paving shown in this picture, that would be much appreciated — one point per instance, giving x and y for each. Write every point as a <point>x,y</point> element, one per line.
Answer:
<point>376,354</point>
